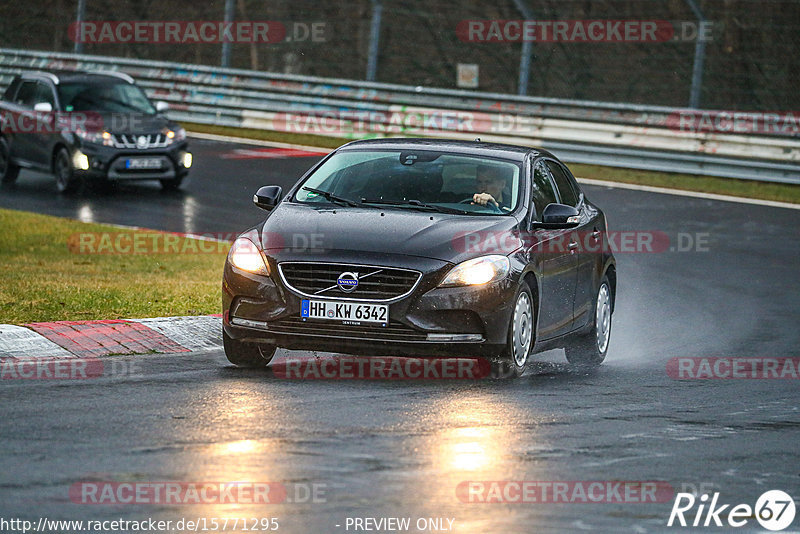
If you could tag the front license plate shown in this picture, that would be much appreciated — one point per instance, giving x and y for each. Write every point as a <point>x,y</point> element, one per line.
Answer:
<point>345,311</point>
<point>143,163</point>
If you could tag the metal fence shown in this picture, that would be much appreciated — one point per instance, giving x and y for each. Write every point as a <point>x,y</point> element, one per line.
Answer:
<point>612,134</point>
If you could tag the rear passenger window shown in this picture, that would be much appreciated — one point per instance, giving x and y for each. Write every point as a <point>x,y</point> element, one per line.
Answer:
<point>567,192</point>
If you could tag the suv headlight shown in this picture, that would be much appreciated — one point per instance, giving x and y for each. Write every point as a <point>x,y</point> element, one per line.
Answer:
<point>178,134</point>
<point>244,255</point>
<point>98,138</point>
<point>477,271</point>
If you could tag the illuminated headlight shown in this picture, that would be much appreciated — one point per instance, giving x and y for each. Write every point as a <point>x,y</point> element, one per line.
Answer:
<point>80,161</point>
<point>245,255</point>
<point>97,138</point>
<point>186,159</point>
<point>477,271</point>
<point>178,134</point>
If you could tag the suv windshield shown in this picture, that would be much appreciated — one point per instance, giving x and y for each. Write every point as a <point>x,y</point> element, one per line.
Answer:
<point>104,97</point>
<point>416,179</point>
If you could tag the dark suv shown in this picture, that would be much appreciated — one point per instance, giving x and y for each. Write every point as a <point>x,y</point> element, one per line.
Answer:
<point>79,125</point>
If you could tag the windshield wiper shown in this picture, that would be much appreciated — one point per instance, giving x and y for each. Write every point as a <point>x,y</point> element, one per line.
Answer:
<point>330,197</point>
<point>418,204</point>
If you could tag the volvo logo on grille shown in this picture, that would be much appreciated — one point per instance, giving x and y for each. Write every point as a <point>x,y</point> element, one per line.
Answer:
<point>347,282</point>
<point>141,142</point>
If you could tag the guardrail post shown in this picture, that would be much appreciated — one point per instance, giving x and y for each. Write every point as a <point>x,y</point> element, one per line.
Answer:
<point>525,56</point>
<point>374,40</point>
<point>78,21</point>
<point>226,46</point>
<point>699,57</point>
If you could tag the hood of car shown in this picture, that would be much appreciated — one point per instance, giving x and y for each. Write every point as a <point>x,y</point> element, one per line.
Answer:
<point>451,238</point>
<point>135,123</point>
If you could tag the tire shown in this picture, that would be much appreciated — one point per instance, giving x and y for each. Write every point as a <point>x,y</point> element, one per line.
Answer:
<point>242,354</point>
<point>66,181</point>
<point>590,349</point>
<point>520,334</point>
<point>173,184</point>
<point>8,171</point>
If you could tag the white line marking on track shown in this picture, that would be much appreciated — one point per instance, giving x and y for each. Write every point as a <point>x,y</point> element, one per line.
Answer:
<point>694,194</point>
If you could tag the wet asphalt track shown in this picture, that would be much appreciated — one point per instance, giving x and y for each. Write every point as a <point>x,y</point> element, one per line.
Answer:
<point>399,449</point>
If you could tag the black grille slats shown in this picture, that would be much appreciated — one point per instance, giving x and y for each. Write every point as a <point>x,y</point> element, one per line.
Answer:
<point>374,283</point>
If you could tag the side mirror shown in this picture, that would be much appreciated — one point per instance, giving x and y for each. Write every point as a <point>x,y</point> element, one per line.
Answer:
<point>268,197</point>
<point>557,217</point>
<point>162,106</point>
<point>43,107</point>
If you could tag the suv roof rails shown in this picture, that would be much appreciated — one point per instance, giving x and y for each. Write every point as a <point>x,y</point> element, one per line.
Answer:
<point>115,74</point>
<point>50,75</point>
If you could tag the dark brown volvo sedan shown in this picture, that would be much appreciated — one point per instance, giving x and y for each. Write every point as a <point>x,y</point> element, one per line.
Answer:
<point>419,247</point>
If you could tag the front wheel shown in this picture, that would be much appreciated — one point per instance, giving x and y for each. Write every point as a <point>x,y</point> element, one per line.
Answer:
<point>244,354</point>
<point>520,332</point>
<point>66,181</point>
<point>590,350</point>
<point>8,171</point>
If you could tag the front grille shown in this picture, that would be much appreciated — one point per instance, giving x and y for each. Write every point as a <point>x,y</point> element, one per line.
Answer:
<point>374,283</point>
<point>394,331</point>
<point>140,142</point>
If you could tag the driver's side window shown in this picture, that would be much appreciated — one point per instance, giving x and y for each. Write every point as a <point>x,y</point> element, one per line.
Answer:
<point>542,192</point>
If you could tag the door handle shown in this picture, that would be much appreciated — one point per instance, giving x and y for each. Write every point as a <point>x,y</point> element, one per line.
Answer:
<point>573,245</point>
<point>596,234</point>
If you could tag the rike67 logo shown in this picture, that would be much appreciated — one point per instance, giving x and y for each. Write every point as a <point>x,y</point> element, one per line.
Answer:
<point>774,510</point>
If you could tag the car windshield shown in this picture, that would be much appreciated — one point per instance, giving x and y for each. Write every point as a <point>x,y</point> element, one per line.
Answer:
<point>413,179</point>
<point>106,97</point>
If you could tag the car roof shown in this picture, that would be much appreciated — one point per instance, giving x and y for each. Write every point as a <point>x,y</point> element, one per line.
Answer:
<point>475,148</point>
<point>71,76</point>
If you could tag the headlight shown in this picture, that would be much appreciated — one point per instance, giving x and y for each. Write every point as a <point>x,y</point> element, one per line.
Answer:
<point>477,271</point>
<point>98,138</point>
<point>178,134</point>
<point>246,256</point>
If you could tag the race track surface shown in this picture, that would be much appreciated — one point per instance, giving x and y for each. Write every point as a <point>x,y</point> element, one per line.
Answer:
<point>382,448</point>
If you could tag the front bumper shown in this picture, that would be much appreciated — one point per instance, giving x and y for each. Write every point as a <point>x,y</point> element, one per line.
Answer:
<point>110,162</point>
<point>431,321</point>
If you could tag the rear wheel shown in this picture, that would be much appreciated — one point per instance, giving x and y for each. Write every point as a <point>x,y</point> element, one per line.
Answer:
<point>520,332</point>
<point>66,181</point>
<point>247,354</point>
<point>8,171</point>
<point>590,350</point>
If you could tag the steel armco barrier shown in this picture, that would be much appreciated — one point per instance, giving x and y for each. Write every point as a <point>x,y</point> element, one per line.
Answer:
<point>612,134</point>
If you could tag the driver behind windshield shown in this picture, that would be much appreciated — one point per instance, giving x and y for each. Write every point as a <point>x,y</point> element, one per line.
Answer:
<point>491,182</point>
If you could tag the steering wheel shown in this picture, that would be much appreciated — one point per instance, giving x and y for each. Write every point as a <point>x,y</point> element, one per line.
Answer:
<point>488,204</point>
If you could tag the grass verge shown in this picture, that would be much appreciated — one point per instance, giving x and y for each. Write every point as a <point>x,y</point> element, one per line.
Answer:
<point>49,274</point>
<point>686,182</point>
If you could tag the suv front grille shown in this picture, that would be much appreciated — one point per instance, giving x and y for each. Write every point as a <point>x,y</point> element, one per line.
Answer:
<point>140,142</point>
<point>392,332</point>
<point>374,283</point>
